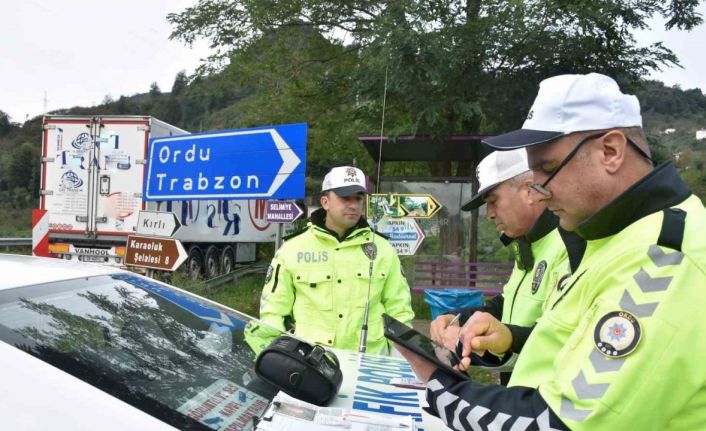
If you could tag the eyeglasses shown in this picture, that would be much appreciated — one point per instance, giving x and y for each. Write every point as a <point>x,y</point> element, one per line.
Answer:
<point>542,188</point>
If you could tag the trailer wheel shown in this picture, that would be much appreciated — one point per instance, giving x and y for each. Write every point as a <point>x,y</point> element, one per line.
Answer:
<point>227,259</point>
<point>212,265</point>
<point>194,263</point>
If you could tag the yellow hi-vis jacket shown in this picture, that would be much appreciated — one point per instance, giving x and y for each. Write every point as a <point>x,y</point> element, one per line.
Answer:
<point>620,343</point>
<point>322,284</point>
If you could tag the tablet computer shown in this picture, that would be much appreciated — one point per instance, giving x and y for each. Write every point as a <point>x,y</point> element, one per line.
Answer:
<point>423,346</point>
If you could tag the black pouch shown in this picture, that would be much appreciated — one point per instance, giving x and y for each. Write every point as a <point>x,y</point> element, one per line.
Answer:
<point>309,373</point>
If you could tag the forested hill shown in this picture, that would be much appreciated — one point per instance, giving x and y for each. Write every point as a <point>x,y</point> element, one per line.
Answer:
<point>227,100</point>
<point>672,117</point>
<point>666,107</point>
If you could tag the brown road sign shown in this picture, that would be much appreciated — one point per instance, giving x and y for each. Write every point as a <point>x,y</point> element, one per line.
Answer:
<point>157,253</point>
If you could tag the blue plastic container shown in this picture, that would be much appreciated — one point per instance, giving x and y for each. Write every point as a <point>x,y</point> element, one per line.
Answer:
<point>443,301</point>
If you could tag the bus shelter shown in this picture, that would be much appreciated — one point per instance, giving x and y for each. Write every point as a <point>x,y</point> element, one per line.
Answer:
<point>452,163</point>
<point>460,249</point>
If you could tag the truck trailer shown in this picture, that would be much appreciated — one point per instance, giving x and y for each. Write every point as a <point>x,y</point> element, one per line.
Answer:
<point>92,176</point>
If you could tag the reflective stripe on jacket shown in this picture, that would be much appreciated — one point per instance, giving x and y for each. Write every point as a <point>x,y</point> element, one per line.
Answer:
<point>618,347</point>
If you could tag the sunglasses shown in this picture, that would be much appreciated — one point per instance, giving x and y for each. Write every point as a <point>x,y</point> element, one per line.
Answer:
<point>542,188</point>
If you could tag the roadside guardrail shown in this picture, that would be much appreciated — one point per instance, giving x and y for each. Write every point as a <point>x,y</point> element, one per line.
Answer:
<point>16,242</point>
<point>255,268</point>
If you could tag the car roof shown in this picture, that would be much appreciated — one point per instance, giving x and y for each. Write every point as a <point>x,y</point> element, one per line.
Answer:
<point>18,270</point>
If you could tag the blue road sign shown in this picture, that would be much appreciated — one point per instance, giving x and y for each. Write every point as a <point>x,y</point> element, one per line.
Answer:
<point>206,312</point>
<point>260,163</point>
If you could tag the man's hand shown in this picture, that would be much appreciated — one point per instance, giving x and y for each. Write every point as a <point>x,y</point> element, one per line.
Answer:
<point>483,332</point>
<point>444,334</point>
<point>421,367</point>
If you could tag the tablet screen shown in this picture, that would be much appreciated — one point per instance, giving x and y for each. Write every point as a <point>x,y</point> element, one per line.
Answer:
<point>421,345</point>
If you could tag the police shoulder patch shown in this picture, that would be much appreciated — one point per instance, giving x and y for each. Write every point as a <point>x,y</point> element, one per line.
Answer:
<point>538,276</point>
<point>617,334</point>
<point>268,275</point>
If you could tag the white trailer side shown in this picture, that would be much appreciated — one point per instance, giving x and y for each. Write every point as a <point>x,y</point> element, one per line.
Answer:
<point>91,185</point>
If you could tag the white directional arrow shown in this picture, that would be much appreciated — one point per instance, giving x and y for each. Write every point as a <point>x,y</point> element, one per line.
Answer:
<point>157,223</point>
<point>289,161</point>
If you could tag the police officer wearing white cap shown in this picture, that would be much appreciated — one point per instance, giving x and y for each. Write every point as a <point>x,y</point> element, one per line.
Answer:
<point>621,342</point>
<point>540,256</point>
<point>319,278</point>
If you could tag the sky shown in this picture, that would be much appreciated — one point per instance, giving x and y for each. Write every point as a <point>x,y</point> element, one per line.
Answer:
<point>79,51</point>
<point>688,47</point>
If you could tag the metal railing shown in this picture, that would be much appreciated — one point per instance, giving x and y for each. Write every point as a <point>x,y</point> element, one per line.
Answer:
<point>254,268</point>
<point>16,242</point>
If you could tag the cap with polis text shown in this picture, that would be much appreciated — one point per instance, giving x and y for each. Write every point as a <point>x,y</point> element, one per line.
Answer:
<point>572,103</point>
<point>497,167</point>
<point>344,181</point>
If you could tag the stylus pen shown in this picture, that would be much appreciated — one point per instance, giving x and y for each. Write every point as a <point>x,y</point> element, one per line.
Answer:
<point>374,420</point>
<point>455,319</point>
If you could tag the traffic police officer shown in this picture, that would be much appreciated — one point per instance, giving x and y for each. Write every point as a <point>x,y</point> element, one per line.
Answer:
<point>619,344</point>
<point>320,277</point>
<point>540,254</point>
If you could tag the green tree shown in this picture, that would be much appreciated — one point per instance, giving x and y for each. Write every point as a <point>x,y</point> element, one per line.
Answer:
<point>123,106</point>
<point>5,125</point>
<point>449,67</point>
<point>180,83</point>
<point>154,90</point>
<point>287,76</point>
<point>21,167</point>
<point>660,153</point>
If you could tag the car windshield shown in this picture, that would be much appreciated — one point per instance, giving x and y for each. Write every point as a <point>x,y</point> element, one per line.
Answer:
<point>175,356</point>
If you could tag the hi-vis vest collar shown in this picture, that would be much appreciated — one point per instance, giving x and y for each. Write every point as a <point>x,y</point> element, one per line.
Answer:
<point>318,221</point>
<point>661,188</point>
<point>546,222</point>
<point>522,246</point>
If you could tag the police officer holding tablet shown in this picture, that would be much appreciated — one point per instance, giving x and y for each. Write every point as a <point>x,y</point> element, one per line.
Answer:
<point>619,345</point>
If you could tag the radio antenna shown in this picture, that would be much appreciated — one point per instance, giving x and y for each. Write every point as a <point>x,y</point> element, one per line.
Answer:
<point>371,251</point>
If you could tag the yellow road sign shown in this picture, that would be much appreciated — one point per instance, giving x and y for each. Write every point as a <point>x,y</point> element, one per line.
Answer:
<point>402,205</point>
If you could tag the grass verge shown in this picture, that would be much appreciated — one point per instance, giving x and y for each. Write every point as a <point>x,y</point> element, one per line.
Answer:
<point>15,222</point>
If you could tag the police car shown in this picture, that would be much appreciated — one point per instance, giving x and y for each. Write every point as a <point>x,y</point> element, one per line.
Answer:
<point>86,347</point>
